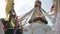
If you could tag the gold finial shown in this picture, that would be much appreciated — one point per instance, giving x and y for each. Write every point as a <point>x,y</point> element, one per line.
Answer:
<point>9,6</point>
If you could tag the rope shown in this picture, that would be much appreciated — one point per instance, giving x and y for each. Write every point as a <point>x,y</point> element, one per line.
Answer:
<point>47,15</point>
<point>22,18</point>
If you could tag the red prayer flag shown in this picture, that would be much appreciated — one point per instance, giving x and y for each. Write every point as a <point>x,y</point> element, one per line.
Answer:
<point>52,8</point>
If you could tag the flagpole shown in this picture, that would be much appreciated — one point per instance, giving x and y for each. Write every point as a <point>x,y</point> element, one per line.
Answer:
<point>57,16</point>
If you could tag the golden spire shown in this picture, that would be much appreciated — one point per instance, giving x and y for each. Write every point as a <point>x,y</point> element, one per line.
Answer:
<point>37,3</point>
<point>37,0</point>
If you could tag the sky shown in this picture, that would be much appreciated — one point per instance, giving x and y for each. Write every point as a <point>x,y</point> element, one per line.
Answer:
<point>23,6</point>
